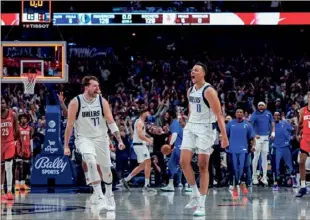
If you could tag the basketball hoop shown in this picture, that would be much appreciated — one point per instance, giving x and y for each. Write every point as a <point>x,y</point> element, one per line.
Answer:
<point>29,80</point>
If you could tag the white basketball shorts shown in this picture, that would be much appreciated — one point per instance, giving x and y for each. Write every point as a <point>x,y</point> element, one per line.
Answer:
<point>262,144</point>
<point>142,153</point>
<point>199,138</point>
<point>100,148</point>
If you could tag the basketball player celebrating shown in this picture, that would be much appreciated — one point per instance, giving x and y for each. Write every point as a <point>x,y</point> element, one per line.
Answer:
<point>303,135</point>
<point>89,113</point>
<point>263,124</point>
<point>176,140</point>
<point>142,152</point>
<point>23,154</point>
<point>9,133</point>
<point>200,134</point>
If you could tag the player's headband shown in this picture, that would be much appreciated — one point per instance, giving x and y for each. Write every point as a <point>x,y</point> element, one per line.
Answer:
<point>261,103</point>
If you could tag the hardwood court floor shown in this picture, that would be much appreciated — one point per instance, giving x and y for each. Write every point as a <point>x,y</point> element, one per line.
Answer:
<point>260,203</point>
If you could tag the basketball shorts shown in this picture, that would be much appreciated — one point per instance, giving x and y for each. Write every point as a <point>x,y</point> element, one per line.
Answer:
<point>262,144</point>
<point>100,148</point>
<point>8,151</point>
<point>142,152</point>
<point>305,145</point>
<point>199,138</point>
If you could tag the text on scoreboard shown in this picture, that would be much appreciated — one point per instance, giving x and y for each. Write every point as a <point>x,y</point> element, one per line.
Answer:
<point>129,18</point>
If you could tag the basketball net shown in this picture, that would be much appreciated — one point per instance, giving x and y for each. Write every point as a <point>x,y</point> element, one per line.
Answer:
<point>29,80</point>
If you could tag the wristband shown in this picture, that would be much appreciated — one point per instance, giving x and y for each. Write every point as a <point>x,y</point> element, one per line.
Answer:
<point>113,127</point>
<point>273,134</point>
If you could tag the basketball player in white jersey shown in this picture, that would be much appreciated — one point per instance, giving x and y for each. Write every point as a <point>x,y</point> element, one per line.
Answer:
<point>199,135</point>
<point>89,113</point>
<point>143,155</point>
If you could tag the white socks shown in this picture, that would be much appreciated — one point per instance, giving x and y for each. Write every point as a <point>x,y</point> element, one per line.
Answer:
<point>108,190</point>
<point>147,182</point>
<point>128,178</point>
<point>195,192</point>
<point>170,182</point>
<point>98,190</point>
<point>303,184</point>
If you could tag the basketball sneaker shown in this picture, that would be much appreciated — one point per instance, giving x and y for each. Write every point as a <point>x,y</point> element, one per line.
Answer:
<point>235,191</point>
<point>168,188</point>
<point>302,192</point>
<point>149,189</point>
<point>188,188</point>
<point>24,187</point>
<point>244,189</point>
<point>254,179</point>
<point>110,202</point>
<point>264,181</point>
<point>125,184</point>
<point>200,211</point>
<point>193,202</point>
<point>17,187</point>
<point>275,187</point>
<point>9,196</point>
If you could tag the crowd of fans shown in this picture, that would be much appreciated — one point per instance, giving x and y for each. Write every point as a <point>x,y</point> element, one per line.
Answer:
<point>132,78</point>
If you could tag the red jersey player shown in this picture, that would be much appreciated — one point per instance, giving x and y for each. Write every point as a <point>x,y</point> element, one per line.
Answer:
<point>303,135</point>
<point>9,133</point>
<point>23,154</point>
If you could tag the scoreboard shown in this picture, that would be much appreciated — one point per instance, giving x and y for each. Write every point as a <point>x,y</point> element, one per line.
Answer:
<point>67,19</point>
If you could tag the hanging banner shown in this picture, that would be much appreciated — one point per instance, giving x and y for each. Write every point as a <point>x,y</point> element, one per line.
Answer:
<point>9,19</point>
<point>87,52</point>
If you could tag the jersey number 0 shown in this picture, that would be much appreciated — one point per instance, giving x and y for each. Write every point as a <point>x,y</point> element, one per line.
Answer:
<point>198,108</point>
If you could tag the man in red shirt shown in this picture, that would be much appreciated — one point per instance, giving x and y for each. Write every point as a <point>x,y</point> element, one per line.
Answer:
<point>23,154</point>
<point>9,133</point>
<point>303,135</point>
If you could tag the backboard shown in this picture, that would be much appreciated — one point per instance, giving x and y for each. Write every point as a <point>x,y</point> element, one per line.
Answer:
<point>48,59</point>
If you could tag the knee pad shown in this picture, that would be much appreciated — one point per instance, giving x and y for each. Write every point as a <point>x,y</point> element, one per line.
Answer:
<point>107,176</point>
<point>93,174</point>
<point>8,166</point>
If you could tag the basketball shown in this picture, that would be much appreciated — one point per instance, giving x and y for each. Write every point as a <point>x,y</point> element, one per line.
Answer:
<point>166,149</point>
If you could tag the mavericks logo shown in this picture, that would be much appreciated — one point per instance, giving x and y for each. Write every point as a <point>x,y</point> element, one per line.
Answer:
<point>50,147</point>
<point>53,166</point>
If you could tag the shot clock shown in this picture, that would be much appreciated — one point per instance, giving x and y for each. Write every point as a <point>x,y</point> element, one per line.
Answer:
<point>36,11</point>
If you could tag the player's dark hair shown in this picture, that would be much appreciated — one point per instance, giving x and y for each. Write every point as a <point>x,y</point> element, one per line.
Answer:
<point>144,110</point>
<point>172,113</point>
<point>23,116</point>
<point>240,109</point>
<point>86,80</point>
<point>204,67</point>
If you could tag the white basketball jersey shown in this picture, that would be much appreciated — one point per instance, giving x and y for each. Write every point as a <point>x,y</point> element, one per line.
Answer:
<point>200,112</point>
<point>90,122</point>
<point>136,138</point>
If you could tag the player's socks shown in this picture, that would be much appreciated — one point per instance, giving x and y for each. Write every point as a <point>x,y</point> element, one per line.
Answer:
<point>303,183</point>
<point>195,192</point>
<point>98,190</point>
<point>128,178</point>
<point>170,182</point>
<point>147,182</point>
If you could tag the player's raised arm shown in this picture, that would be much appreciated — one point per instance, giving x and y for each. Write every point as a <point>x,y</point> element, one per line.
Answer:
<point>72,111</point>
<point>215,105</point>
<point>111,123</point>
